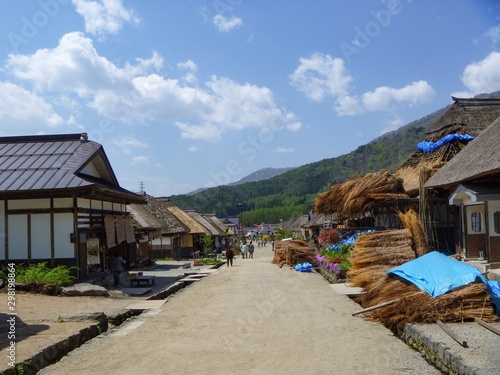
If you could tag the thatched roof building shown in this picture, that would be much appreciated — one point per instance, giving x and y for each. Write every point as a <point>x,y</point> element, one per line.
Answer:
<point>211,229</point>
<point>479,159</point>
<point>465,116</point>
<point>359,195</point>
<point>155,214</point>
<point>223,229</point>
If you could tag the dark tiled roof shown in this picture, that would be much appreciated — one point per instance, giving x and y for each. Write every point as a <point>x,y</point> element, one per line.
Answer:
<point>46,162</point>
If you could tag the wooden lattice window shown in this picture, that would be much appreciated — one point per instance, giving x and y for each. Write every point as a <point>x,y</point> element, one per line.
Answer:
<point>496,222</point>
<point>475,222</point>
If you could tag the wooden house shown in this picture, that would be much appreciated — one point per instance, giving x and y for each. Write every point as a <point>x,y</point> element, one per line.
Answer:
<point>161,232</point>
<point>471,180</point>
<point>61,203</point>
<point>380,195</point>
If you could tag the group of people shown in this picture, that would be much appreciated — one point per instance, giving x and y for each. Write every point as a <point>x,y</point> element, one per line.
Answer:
<point>246,252</point>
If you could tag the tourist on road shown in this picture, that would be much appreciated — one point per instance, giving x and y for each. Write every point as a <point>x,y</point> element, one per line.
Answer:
<point>229,256</point>
<point>251,249</point>
<point>116,265</point>
<point>244,249</point>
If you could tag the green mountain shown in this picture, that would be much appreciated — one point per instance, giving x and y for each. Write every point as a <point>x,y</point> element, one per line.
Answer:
<point>292,194</point>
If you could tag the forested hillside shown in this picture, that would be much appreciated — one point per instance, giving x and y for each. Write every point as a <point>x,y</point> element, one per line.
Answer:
<point>292,193</point>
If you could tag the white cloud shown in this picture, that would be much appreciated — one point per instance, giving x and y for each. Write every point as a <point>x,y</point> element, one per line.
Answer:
<point>493,33</point>
<point>104,16</point>
<point>129,142</point>
<point>383,97</point>
<point>193,148</point>
<point>25,109</point>
<point>483,76</point>
<point>225,24</point>
<point>348,106</point>
<point>283,150</point>
<point>141,159</point>
<point>393,124</point>
<point>321,76</point>
<point>133,94</point>
<point>191,67</point>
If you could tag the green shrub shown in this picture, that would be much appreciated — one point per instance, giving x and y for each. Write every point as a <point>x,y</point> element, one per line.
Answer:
<point>41,274</point>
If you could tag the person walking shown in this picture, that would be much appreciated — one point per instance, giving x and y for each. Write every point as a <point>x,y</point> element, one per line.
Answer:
<point>116,265</point>
<point>229,257</point>
<point>244,249</point>
<point>251,249</point>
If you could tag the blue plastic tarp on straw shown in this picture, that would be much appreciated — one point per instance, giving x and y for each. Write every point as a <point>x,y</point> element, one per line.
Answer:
<point>428,147</point>
<point>437,274</point>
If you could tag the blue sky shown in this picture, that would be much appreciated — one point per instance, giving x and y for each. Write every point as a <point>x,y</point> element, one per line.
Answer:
<point>188,94</point>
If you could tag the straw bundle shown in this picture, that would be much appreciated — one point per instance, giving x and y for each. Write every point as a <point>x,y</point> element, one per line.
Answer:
<point>416,306</point>
<point>292,253</point>
<point>411,222</point>
<point>377,252</point>
<point>359,194</point>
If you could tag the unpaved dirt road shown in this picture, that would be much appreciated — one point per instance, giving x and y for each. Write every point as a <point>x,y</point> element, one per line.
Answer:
<point>252,318</point>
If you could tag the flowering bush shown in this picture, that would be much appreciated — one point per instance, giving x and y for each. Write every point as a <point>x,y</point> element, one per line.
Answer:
<point>328,237</point>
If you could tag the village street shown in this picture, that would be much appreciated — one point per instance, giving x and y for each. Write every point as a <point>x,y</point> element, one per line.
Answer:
<point>252,318</point>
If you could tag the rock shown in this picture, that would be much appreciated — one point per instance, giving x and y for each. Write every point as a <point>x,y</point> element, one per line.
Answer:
<point>85,289</point>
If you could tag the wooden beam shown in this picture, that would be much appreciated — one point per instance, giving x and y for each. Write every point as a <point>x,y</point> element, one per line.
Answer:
<point>488,326</point>
<point>375,307</point>
<point>452,334</point>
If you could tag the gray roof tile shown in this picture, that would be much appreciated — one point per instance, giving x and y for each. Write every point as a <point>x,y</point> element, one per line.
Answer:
<point>30,163</point>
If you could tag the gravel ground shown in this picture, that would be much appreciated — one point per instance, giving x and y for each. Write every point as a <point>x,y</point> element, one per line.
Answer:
<point>253,318</point>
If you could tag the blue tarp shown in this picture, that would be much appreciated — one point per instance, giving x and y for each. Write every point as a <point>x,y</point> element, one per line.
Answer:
<point>304,267</point>
<point>428,147</point>
<point>437,274</point>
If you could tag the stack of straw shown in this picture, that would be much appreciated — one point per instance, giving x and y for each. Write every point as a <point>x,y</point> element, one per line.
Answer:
<point>377,252</point>
<point>360,194</point>
<point>292,253</point>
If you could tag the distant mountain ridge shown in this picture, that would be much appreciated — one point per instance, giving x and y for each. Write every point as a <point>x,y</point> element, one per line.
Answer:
<point>261,174</point>
<point>292,193</point>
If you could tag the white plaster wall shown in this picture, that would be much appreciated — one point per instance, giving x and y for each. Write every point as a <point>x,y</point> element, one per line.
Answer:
<point>83,203</point>
<point>40,236</point>
<point>493,206</point>
<point>97,205</point>
<point>164,241</point>
<point>63,202</point>
<point>16,204</point>
<point>63,227</point>
<point>108,206</point>
<point>2,230</point>
<point>18,236</point>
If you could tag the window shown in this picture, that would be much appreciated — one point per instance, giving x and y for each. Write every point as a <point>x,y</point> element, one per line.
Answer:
<point>496,222</point>
<point>475,222</point>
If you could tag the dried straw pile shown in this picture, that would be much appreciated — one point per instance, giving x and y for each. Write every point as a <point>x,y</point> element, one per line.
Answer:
<point>292,253</point>
<point>360,195</point>
<point>411,222</point>
<point>417,306</point>
<point>375,253</point>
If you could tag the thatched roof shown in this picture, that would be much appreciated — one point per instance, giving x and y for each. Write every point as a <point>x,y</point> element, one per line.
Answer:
<point>156,212</point>
<point>317,221</point>
<point>295,224</point>
<point>212,230</point>
<point>481,157</point>
<point>469,116</point>
<point>216,222</point>
<point>188,221</point>
<point>142,218</point>
<point>360,195</point>
<point>465,116</point>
